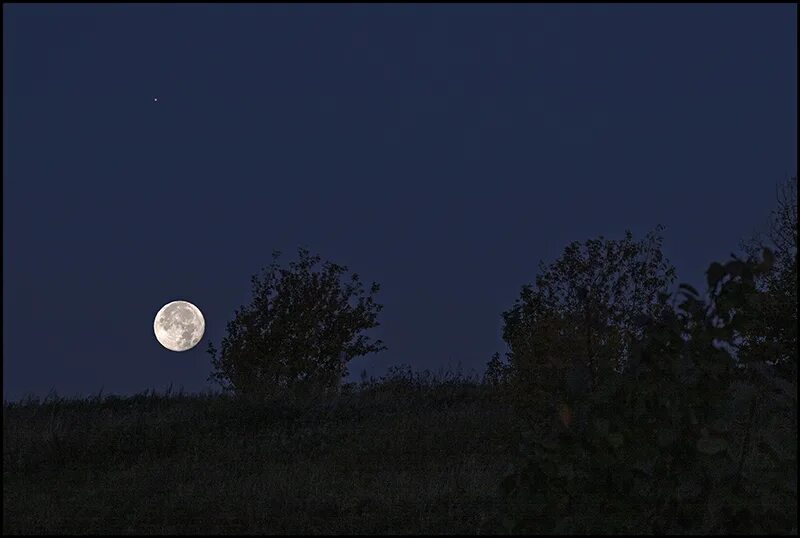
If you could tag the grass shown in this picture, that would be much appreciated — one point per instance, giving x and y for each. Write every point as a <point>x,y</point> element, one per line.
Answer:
<point>400,456</point>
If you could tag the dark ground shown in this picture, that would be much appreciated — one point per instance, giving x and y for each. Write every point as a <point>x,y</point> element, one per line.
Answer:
<point>385,458</point>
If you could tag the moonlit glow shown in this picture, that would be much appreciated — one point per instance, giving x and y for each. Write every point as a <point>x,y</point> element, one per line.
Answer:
<point>179,325</point>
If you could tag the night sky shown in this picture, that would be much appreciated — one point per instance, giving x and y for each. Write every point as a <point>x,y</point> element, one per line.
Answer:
<point>440,150</point>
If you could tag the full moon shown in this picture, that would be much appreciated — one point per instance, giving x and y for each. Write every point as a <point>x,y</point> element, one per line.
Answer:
<point>179,325</point>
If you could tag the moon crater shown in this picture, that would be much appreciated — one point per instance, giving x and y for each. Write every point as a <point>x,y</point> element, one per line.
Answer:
<point>179,325</point>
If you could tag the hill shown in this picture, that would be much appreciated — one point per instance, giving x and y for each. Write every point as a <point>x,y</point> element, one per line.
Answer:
<point>392,457</point>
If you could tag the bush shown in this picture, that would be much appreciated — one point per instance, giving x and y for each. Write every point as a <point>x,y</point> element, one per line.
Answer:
<point>686,440</point>
<point>584,312</point>
<point>299,331</point>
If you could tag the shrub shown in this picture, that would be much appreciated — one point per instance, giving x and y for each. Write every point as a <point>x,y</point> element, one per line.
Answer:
<point>300,330</point>
<point>680,442</point>
<point>584,312</point>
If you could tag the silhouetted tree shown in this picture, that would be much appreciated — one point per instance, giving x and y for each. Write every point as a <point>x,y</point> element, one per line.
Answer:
<point>770,334</point>
<point>585,310</point>
<point>496,374</point>
<point>300,330</point>
<point>679,443</point>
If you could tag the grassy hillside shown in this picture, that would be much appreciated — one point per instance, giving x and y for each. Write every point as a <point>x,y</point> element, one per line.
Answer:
<point>392,457</point>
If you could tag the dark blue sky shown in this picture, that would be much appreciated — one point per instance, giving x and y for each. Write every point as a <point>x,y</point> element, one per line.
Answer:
<point>441,150</point>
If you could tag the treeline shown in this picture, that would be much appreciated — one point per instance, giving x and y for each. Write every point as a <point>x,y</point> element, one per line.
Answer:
<point>649,410</point>
<point>663,412</point>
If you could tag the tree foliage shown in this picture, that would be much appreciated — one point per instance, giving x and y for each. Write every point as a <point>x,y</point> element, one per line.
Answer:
<point>770,334</point>
<point>685,440</point>
<point>585,311</point>
<point>696,432</point>
<point>497,372</point>
<point>303,325</point>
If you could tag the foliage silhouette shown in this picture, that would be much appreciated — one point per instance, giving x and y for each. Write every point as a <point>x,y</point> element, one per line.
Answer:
<point>770,334</point>
<point>300,330</point>
<point>696,433</point>
<point>662,447</point>
<point>584,312</point>
<point>497,372</point>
